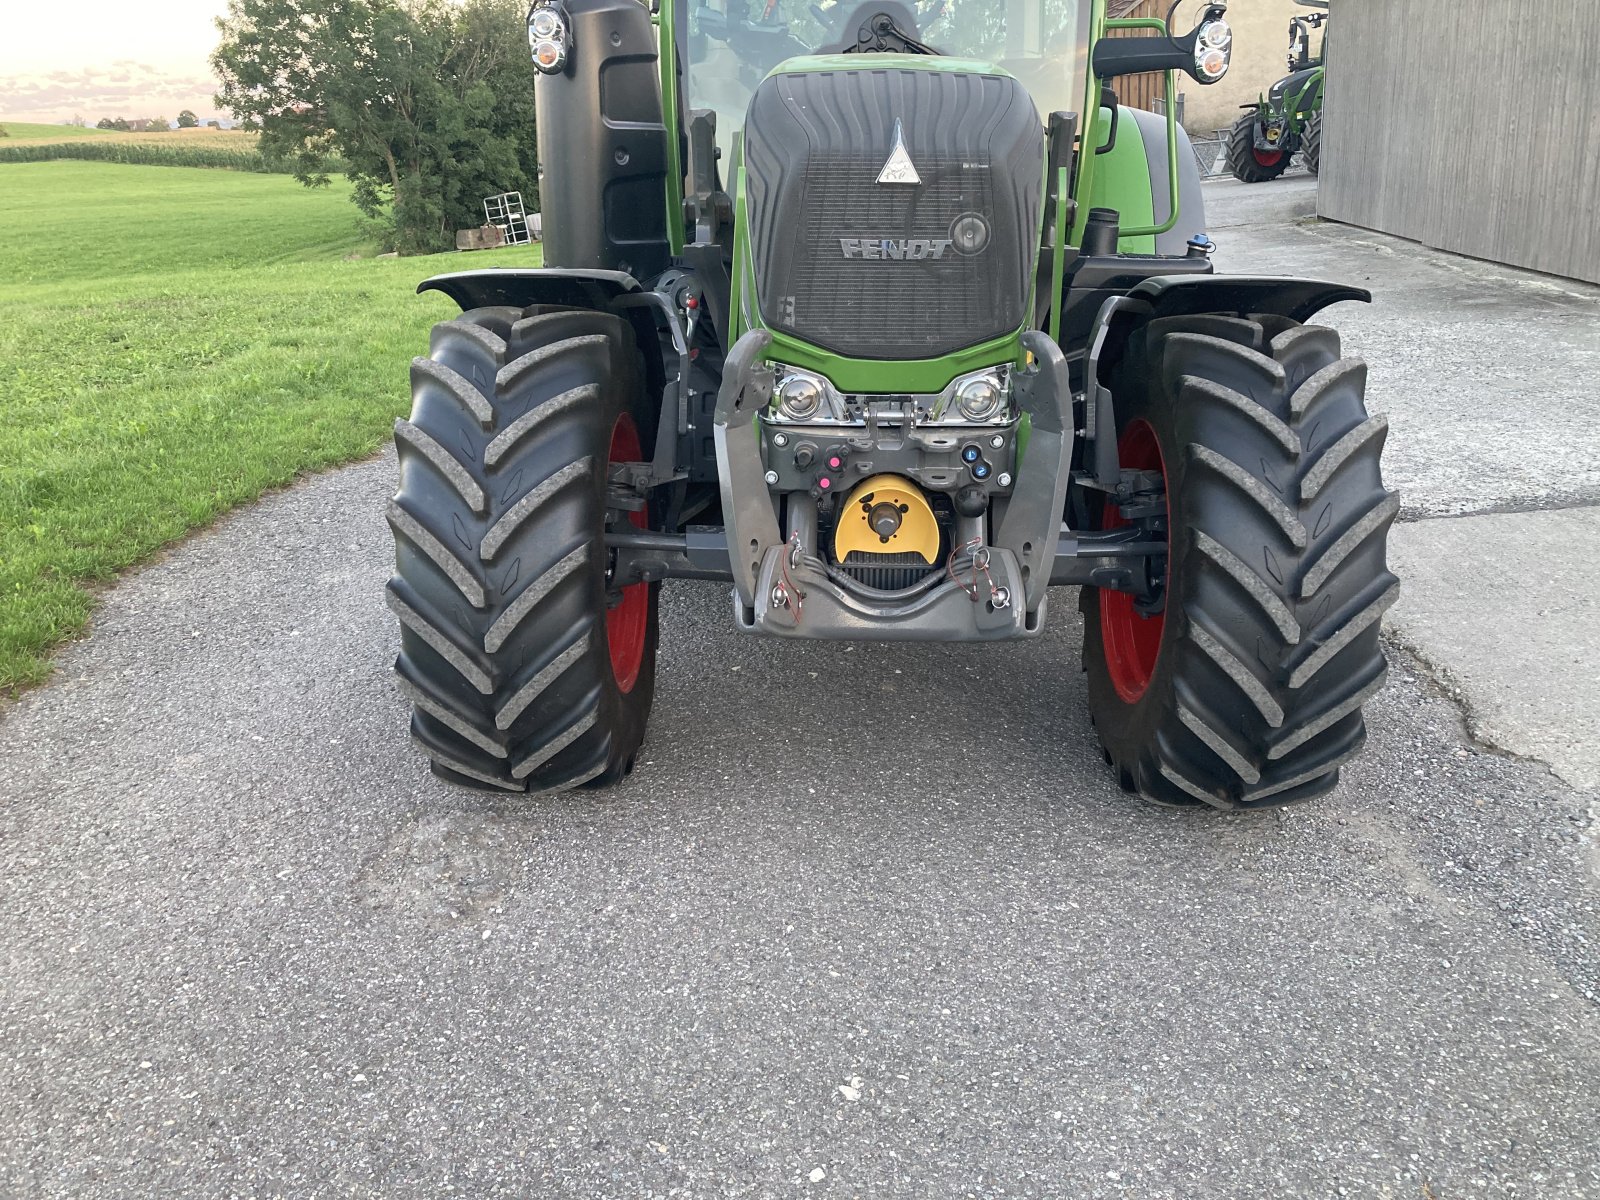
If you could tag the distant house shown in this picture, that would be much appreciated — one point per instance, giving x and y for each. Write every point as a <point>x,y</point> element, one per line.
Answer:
<point>146,125</point>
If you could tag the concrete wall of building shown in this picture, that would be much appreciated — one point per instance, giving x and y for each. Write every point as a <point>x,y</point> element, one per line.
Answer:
<point>1468,125</point>
<point>1260,48</point>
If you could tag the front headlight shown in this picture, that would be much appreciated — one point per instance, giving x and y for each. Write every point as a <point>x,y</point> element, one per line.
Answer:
<point>979,398</point>
<point>800,397</point>
<point>803,397</point>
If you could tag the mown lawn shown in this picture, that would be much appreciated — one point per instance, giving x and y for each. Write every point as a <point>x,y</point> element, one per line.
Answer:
<point>172,343</point>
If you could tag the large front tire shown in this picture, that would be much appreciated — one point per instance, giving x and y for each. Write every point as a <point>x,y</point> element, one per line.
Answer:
<point>1246,690</point>
<point>1247,161</point>
<point>526,670</point>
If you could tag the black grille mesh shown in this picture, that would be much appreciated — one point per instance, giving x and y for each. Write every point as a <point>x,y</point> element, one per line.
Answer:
<point>911,309</point>
<point>814,145</point>
<point>887,572</point>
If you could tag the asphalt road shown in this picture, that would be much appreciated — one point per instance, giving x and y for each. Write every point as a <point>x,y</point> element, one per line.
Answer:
<point>866,921</point>
<point>1490,379</point>
<point>1488,375</point>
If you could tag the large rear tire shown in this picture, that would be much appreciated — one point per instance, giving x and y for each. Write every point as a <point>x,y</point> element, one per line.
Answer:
<point>1248,163</point>
<point>1246,690</point>
<point>527,671</point>
<point>1311,144</point>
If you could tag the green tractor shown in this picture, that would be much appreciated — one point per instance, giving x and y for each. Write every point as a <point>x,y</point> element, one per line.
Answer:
<point>891,319</point>
<point>1288,119</point>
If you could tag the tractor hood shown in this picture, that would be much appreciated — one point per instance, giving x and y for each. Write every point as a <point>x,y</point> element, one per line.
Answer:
<point>892,203</point>
<point>1292,86</point>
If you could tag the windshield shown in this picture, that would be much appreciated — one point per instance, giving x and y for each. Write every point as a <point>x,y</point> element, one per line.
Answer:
<point>728,46</point>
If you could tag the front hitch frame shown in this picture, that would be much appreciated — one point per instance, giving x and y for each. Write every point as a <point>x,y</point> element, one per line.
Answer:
<point>1019,558</point>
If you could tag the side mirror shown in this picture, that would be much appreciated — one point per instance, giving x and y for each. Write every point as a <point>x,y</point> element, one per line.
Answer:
<point>1204,52</point>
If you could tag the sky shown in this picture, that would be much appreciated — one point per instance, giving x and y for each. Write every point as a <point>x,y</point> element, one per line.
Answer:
<point>107,58</point>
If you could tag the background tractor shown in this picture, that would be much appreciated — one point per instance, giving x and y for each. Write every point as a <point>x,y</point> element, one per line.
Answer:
<point>1288,119</point>
<point>889,317</point>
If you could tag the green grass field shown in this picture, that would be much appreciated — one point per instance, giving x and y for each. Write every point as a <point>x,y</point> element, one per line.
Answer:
<point>174,342</point>
<point>28,129</point>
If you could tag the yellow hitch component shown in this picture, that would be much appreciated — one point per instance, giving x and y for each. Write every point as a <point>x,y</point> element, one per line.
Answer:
<point>886,515</point>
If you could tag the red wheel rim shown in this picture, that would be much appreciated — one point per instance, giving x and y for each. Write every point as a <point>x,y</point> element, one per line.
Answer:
<point>627,621</point>
<point>1266,158</point>
<point>1132,640</point>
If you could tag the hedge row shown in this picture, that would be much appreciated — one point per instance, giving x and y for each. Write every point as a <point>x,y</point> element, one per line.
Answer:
<point>152,155</point>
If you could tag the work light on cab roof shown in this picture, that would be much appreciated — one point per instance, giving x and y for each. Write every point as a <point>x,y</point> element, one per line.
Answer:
<point>547,37</point>
<point>1213,48</point>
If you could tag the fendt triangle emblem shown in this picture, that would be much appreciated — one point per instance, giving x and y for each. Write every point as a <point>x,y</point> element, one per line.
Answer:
<point>899,168</point>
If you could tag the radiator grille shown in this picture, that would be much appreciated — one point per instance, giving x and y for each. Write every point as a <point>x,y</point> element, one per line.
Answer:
<point>894,308</point>
<point>815,143</point>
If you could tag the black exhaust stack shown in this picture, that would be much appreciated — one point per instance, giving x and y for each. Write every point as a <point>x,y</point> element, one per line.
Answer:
<point>603,145</point>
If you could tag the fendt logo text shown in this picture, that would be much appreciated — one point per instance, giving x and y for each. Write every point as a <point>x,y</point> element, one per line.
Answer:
<point>894,248</point>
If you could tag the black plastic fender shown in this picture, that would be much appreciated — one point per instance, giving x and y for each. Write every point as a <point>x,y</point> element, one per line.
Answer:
<point>660,333</point>
<point>533,285</point>
<point>1177,296</point>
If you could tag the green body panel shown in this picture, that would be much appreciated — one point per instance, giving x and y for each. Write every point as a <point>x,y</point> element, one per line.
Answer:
<point>1311,94</point>
<point>920,375</point>
<point>1300,103</point>
<point>1093,133</point>
<point>1121,180</point>
<point>1134,233</point>
<point>1297,107</point>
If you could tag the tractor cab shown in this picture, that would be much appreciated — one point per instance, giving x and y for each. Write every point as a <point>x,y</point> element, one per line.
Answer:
<point>728,46</point>
<point>1300,32</point>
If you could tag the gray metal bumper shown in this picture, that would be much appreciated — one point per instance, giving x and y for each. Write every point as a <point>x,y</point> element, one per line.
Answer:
<point>813,606</point>
<point>785,595</point>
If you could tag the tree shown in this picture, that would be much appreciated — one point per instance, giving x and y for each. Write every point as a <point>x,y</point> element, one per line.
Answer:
<point>428,103</point>
<point>156,125</point>
<point>213,124</point>
<point>187,120</point>
<point>116,123</point>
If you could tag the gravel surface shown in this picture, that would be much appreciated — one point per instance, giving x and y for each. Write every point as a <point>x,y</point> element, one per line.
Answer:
<point>867,921</point>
